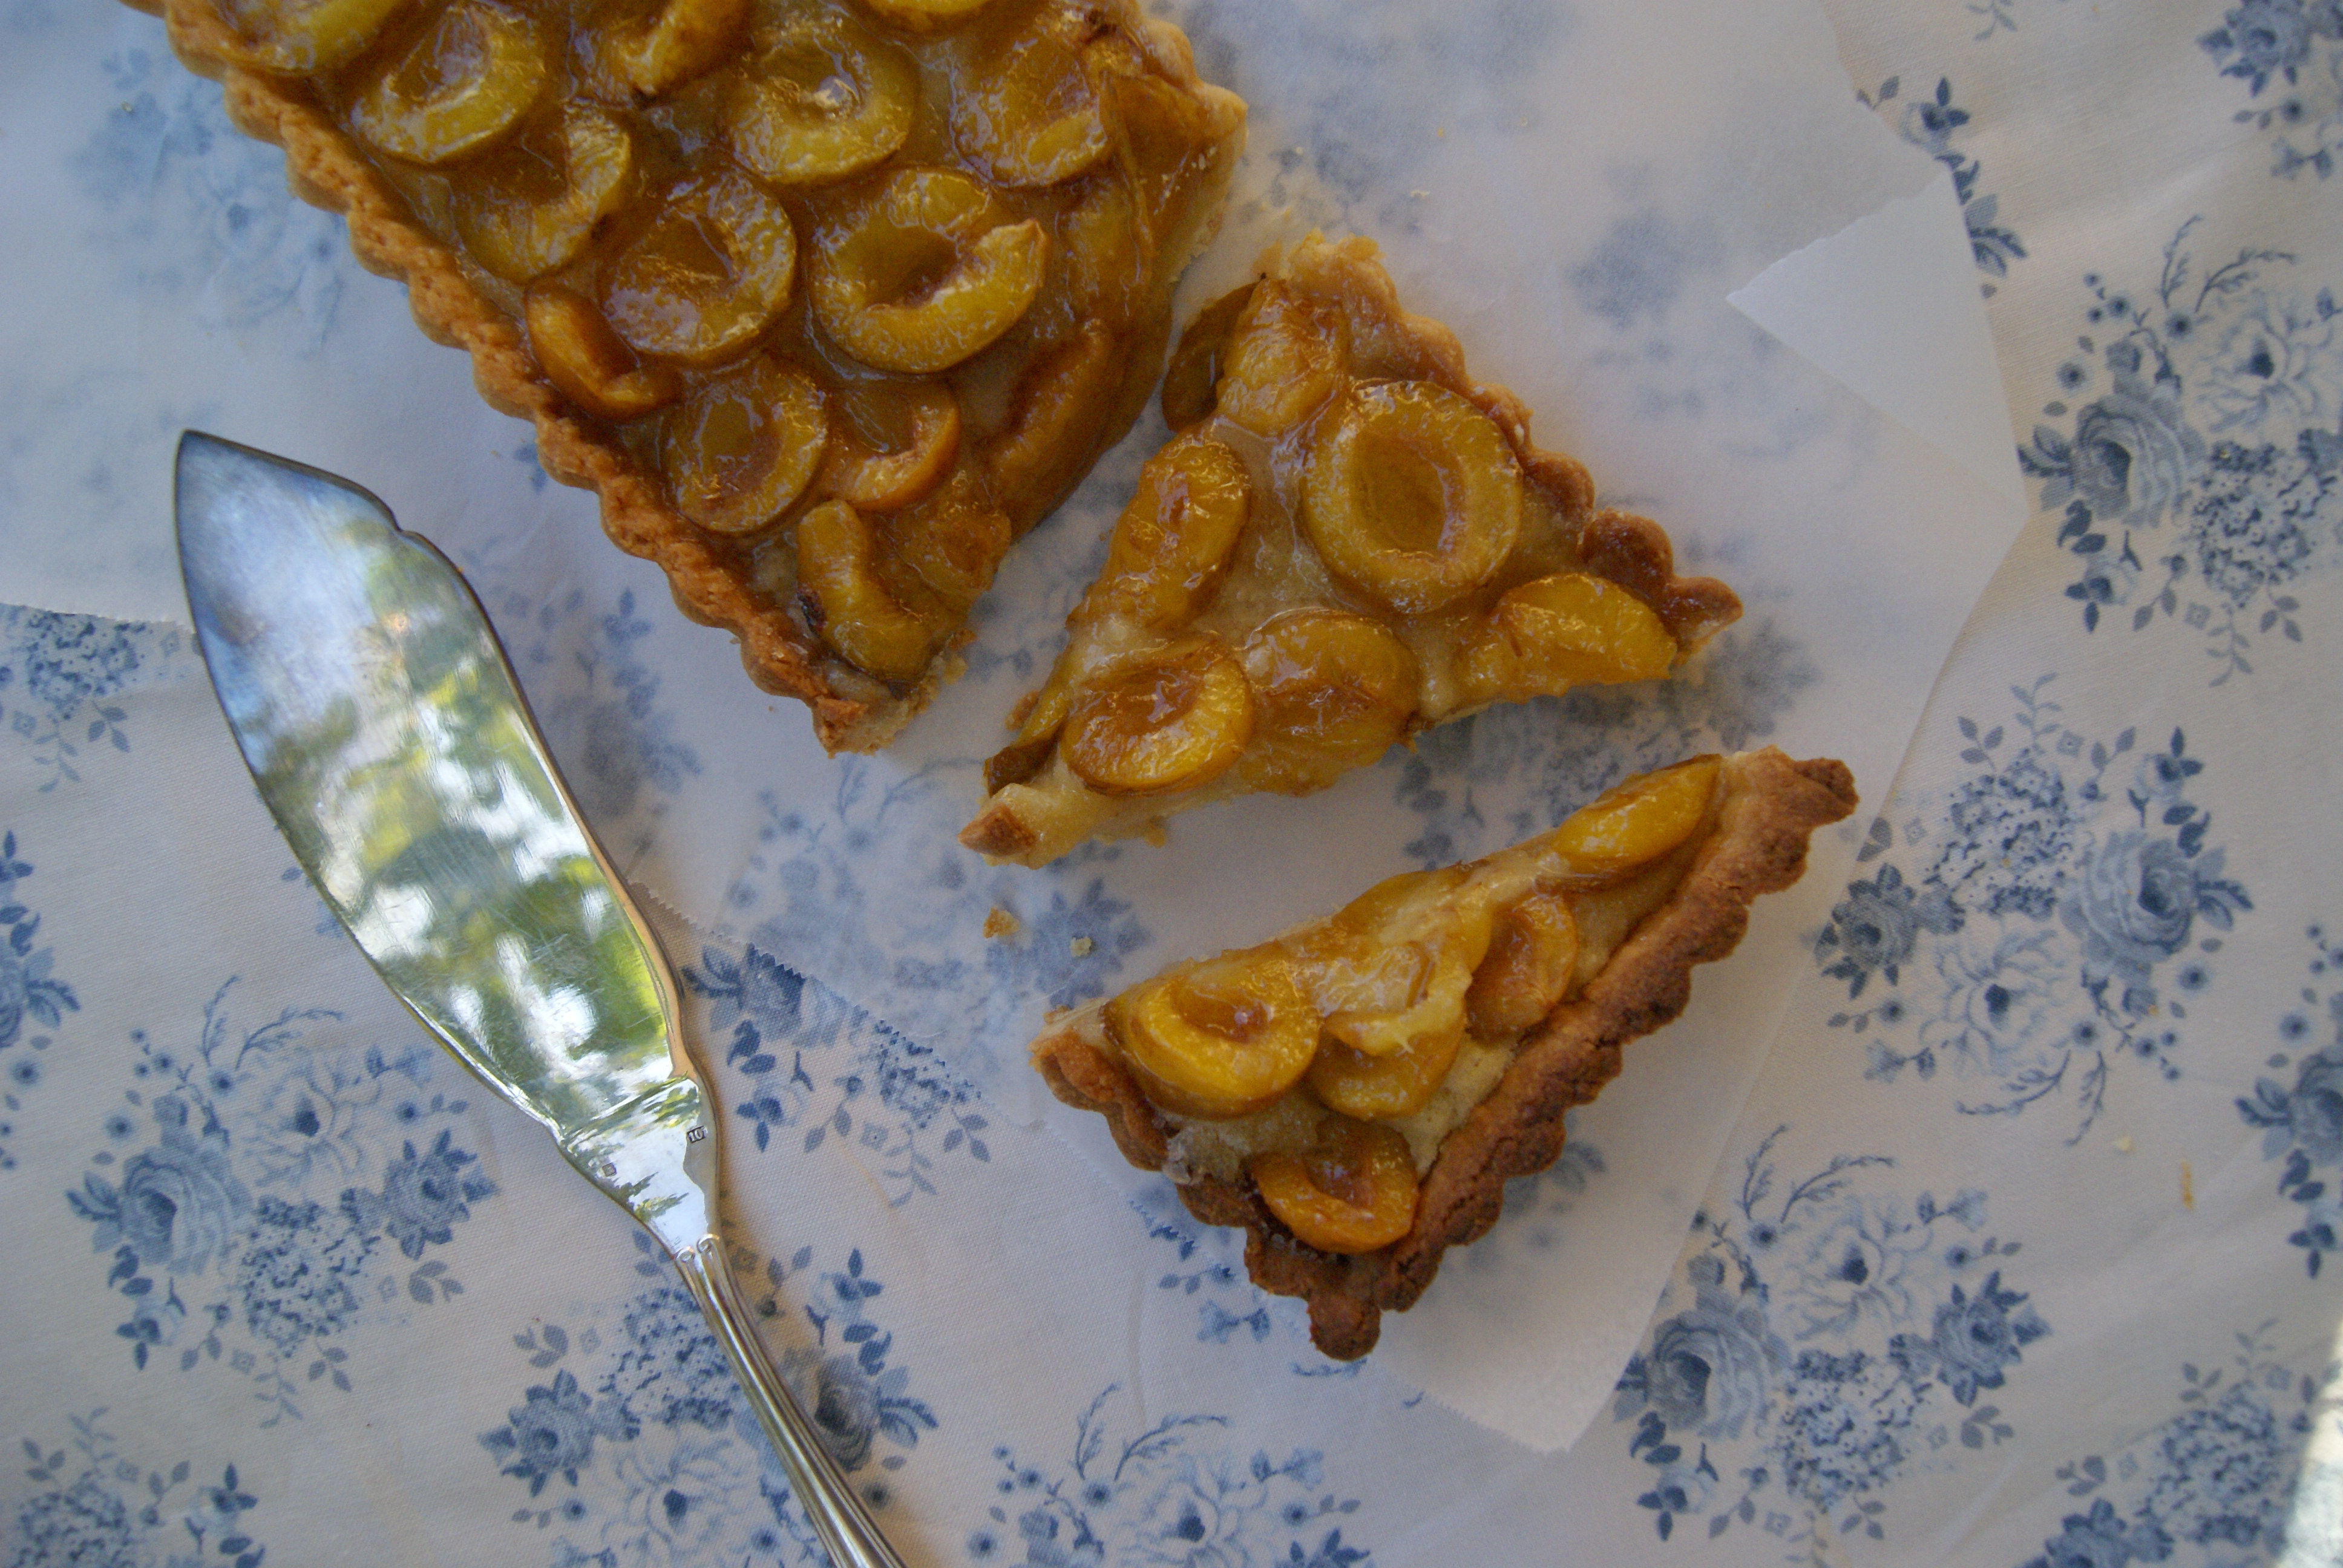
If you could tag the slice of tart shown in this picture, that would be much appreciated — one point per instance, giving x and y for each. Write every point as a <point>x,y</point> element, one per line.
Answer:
<point>1348,539</point>
<point>829,300</point>
<point>1356,1091</point>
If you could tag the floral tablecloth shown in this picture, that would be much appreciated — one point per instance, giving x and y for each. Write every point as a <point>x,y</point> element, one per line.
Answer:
<point>2022,1252</point>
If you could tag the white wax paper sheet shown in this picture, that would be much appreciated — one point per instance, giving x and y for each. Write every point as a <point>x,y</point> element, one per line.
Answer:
<point>1576,189</point>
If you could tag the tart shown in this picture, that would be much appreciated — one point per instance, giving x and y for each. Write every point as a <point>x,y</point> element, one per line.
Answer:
<point>829,300</point>
<point>1347,539</point>
<point>1355,1092</point>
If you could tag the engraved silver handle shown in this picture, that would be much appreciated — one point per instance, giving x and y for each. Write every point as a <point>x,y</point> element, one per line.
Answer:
<point>847,1531</point>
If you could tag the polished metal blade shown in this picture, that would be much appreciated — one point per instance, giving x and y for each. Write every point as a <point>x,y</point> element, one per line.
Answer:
<point>389,739</point>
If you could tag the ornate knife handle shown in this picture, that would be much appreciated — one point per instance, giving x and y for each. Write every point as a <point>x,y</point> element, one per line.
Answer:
<point>847,1530</point>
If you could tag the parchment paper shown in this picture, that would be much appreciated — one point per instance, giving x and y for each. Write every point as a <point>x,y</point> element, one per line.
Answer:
<point>1578,190</point>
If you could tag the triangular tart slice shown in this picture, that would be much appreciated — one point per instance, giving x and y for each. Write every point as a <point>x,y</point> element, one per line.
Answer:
<point>1348,539</point>
<point>1356,1092</point>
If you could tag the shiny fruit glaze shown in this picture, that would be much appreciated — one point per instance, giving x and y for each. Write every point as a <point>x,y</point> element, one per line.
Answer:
<point>1370,532</point>
<point>795,255</point>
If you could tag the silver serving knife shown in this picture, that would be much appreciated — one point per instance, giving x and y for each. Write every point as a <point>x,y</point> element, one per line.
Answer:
<point>389,739</point>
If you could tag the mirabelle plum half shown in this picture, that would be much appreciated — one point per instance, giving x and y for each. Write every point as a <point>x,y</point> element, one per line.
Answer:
<point>1639,821</point>
<point>1102,254</point>
<point>1286,355</point>
<point>298,36</point>
<point>926,16</point>
<point>1556,632</point>
<point>1434,1011</point>
<point>1038,722</point>
<point>1347,964</point>
<point>861,617</point>
<point>950,542</point>
<point>456,89</point>
<point>743,448</point>
<point>1533,953</point>
<point>827,98</point>
<point>582,356</point>
<point>1397,1083</point>
<point>925,271</point>
<point>1175,542</point>
<point>1333,690</point>
<point>534,205</point>
<point>1413,496</point>
<point>1223,1038</point>
<point>688,38</point>
<point>890,444</point>
<point>1055,414</point>
<point>1028,112</point>
<point>1353,1191</point>
<point>1175,718</point>
<point>709,276</point>
<point>1391,968</point>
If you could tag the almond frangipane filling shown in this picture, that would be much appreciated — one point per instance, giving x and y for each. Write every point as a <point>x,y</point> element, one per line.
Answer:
<point>1329,1065</point>
<point>804,266</point>
<point>1348,540</point>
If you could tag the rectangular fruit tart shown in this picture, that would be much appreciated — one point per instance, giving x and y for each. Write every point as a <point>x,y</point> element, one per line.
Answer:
<point>1356,1092</point>
<point>1349,539</point>
<point>829,300</point>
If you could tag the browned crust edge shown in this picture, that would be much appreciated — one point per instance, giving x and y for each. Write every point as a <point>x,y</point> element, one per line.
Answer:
<point>324,168</point>
<point>1759,846</point>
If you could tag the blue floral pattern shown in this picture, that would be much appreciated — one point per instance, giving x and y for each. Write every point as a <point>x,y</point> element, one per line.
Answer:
<point>619,752</point>
<point>167,168</point>
<point>2302,1122</point>
<point>2198,478</point>
<point>804,887</point>
<point>1228,1311</point>
<point>254,1224</point>
<point>2296,46</point>
<point>1992,17</point>
<point>895,1097</point>
<point>1838,1338</point>
<point>2073,884</point>
<point>659,1457</point>
<point>2223,1478</point>
<point>1930,124</point>
<point>30,993</point>
<point>98,1506</point>
<point>1162,1496</point>
<point>56,674</point>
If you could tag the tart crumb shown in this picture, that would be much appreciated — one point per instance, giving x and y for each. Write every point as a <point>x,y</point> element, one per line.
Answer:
<point>1000,923</point>
<point>1081,946</point>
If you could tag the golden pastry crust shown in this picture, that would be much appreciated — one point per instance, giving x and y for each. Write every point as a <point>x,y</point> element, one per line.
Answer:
<point>780,639</point>
<point>1385,493</point>
<point>1769,806</point>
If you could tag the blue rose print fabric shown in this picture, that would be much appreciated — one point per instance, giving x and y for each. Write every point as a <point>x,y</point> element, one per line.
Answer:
<point>2022,1254</point>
